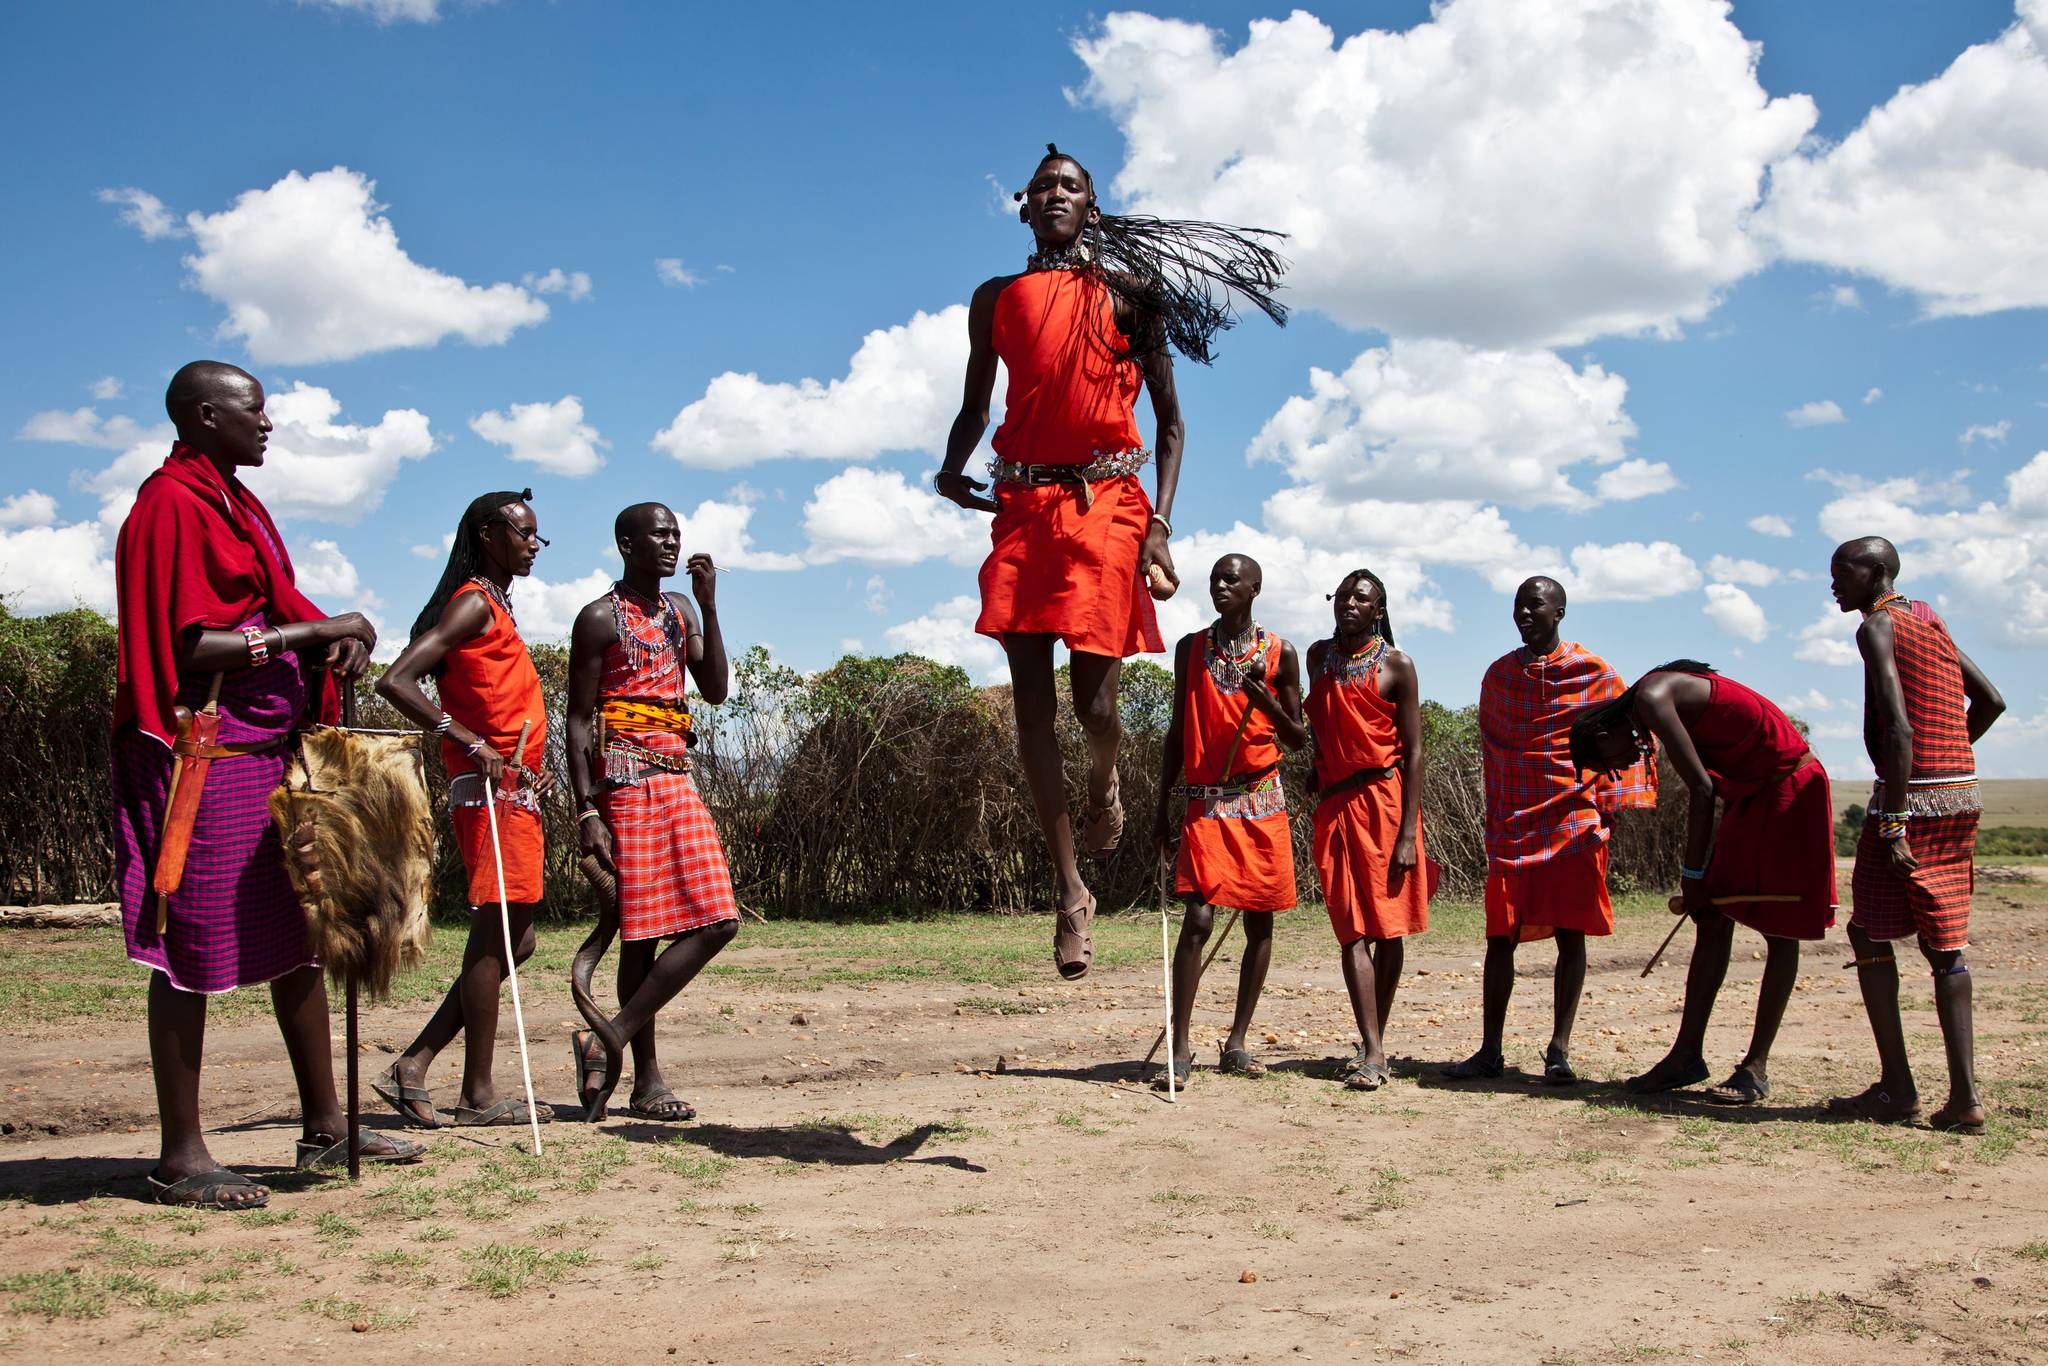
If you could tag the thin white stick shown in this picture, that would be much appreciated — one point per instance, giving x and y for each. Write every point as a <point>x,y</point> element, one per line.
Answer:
<point>511,967</point>
<point>1166,963</point>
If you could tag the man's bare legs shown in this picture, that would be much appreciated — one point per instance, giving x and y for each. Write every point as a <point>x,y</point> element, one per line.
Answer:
<point>675,968</point>
<point>1372,974</point>
<point>1963,1108</point>
<point>1892,1096</point>
<point>177,1040</point>
<point>1568,983</point>
<point>1095,679</point>
<point>1195,928</point>
<point>636,961</point>
<point>471,1008</point>
<point>1034,697</point>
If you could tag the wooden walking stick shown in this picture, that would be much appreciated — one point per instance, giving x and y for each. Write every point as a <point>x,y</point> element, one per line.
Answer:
<point>354,1069</point>
<point>1677,905</point>
<point>505,922</point>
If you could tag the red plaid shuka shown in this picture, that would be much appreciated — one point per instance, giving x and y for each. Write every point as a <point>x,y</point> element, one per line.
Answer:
<point>1942,796</point>
<point>672,872</point>
<point>1538,805</point>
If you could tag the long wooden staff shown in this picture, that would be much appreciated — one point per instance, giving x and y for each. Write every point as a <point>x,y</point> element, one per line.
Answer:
<point>1677,905</point>
<point>1229,758</point>
<point>505,921</point>
<point>354,1065</point>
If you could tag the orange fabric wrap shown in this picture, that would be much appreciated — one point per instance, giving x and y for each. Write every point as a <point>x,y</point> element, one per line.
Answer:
<point>1241,861</point>
<point>1568,892</point>
<point>1356,829</point>
<point>490,686</point>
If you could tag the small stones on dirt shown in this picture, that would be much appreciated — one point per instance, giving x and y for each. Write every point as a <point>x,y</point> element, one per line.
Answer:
<point>1002,1065</point>
<point>799,1018</point>
<point>1247,1276</point>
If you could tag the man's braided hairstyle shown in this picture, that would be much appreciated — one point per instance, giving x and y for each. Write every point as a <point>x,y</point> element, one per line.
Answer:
<point>1587,730</point>
<point>465,558</point>
<point>1178,276</point>
<point>1386,616</point>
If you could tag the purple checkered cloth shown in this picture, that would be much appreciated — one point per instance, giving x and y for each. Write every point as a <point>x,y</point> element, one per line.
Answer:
<point>234,920</point>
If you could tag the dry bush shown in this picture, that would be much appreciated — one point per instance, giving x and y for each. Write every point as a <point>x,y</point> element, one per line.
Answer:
<point>879,786</point>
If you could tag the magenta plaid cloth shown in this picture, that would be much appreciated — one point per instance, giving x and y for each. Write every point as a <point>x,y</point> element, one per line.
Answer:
<point>1538,805</point>
<point>234,920</point>
<point>672,871</point>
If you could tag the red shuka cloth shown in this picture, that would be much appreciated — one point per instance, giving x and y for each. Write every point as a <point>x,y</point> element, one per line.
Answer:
<point>1777,830</point>
<point>1234,851</point>
<point>1356,830</point>
<point>1061,565</point>
<point>201,551</point>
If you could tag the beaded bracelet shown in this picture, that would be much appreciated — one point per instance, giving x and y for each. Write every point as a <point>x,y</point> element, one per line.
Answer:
<point>1164,523</point>
<point>441,725</point>
<point>259,648</point>
<point>593,811</point>
<point>474,747</point>
<point>1891,825</point>
<point>1692,874</point>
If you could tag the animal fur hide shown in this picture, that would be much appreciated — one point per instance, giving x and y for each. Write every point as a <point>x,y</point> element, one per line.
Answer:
<point>359,841</point>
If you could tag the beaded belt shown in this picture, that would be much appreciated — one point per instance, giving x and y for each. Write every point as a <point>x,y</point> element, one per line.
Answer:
<point>1114,465</point>
<point>467,790</point>
<point>628,765</point>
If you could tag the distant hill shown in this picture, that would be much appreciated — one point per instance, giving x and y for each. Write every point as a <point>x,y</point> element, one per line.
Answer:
<point>2007,801</point>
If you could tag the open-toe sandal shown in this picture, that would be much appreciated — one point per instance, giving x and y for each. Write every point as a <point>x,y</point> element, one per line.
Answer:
<point>322,1152</point>
<point>1073,950</point>
<point>506,1110</point>
<point>1240,1062</point>
<point>393,1091</point>
<point>1183,1068</point>
<point>1102,827</point>
<point>662,1106</point>
<point>1741,1088</point>
<point>1948,1122</point>
<point>204,1190</point>
<point>1872,1105</point>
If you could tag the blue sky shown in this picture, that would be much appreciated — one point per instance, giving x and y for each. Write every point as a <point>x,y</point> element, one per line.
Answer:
<point>1589,286</point>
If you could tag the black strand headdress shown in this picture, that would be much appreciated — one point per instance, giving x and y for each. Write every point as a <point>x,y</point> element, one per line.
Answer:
<point>1178,276</point>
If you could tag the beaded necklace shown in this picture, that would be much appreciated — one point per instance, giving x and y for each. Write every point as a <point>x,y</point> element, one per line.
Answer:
<point>1228,660</point>
<point>1350,666</point>
<point>496,594</point>
<point>1073,256</point>
<point>1884,602</point>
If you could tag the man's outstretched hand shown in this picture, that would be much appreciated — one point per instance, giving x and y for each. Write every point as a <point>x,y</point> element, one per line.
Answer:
<point>957,487</point>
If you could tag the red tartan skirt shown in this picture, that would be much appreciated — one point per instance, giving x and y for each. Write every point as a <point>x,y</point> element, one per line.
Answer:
<point>672,872</point>
<point>1933,901</point>
<point>1568,892</point>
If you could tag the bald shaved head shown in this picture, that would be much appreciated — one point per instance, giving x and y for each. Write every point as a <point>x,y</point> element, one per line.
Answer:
<point>1874,552</point>
<point>637,518</point>
<point>1247,569</point>
<point>1542,584</point>
<point>203,381</point>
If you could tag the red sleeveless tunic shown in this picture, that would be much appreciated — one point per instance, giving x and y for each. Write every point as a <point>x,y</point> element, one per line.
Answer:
<point>1235,851</point>
<point>1355,830</point>
<point>1061,565</point>
<point>491,687</point>
<point>1777,830</point>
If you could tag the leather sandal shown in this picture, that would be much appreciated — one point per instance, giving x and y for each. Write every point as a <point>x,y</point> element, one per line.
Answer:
<point>1073,951</point>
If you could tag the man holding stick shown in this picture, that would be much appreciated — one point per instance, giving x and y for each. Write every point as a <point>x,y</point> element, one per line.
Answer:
<point>493,724</point>
<point>1236,700</point>
<point>638,811</point>
<point>1925,704</point>
<point>1546,823</point>
<point>1769,864</point>
<point>221,658</point>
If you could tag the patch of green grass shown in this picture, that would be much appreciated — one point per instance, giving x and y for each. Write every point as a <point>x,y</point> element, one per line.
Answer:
<point>1177,1199</point>
<point>336,1229</point>
<point>354,1312</point>
<point>682,1158</point>
<point>434,1233</point>
<point>747,1209</point>
<point>989,1005</point>
<point>504,1269</point>
<point>1277,1231</point>
<point>968,1209</point>
<point>227,1326</point>
<point>119,1249</point>
<point>265,1217</point>
<point>647,1261</point>
<point>1845,1314</point>
<point>145,1293</point>
<point>1389,1189</point>
<point>2036,1251</point>
<point>68,1294</point>
<point>599,1161</point>
<point>1079,1121</point>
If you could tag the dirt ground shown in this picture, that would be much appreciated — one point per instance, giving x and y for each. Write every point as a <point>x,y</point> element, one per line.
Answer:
<point>865,1184</point>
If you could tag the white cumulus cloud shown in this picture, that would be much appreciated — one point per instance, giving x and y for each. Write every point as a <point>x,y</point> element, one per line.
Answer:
<point>47,567</point>
<point>1627,571</point>
<point>879,517</point>
<point>671,271</point>
<point>393,11</point>
<point>85,427</point>
<point>1754,573</point>
<point>1942,189</point>
<point>573,283</point>
<point>1435,419</point>
<point>551,435</point>
<point>106,389</point>
<point>143,212</point>
<point>1297,574</point>
<point>1821,412</point>
<point>547,608</point>
<point>946,634</point>
<point>1994,433</point>
<point>1634,479</point>
<point>310,270</point>
<point>1505,173</point>
<point>720,529</point>
<point>1735,612</point>
<point>1770,524</point>
<point>899,393</point>
<point>1830,638</point>
<point>1872,394</point>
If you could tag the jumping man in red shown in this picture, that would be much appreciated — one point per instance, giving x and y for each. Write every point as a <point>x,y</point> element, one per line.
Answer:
<point>1925,704</point>
<point>1365,710</point>
<point>1775,840</point>
<point>1236,700</point>
<point>1076,543</point>
<point>638,810</point>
